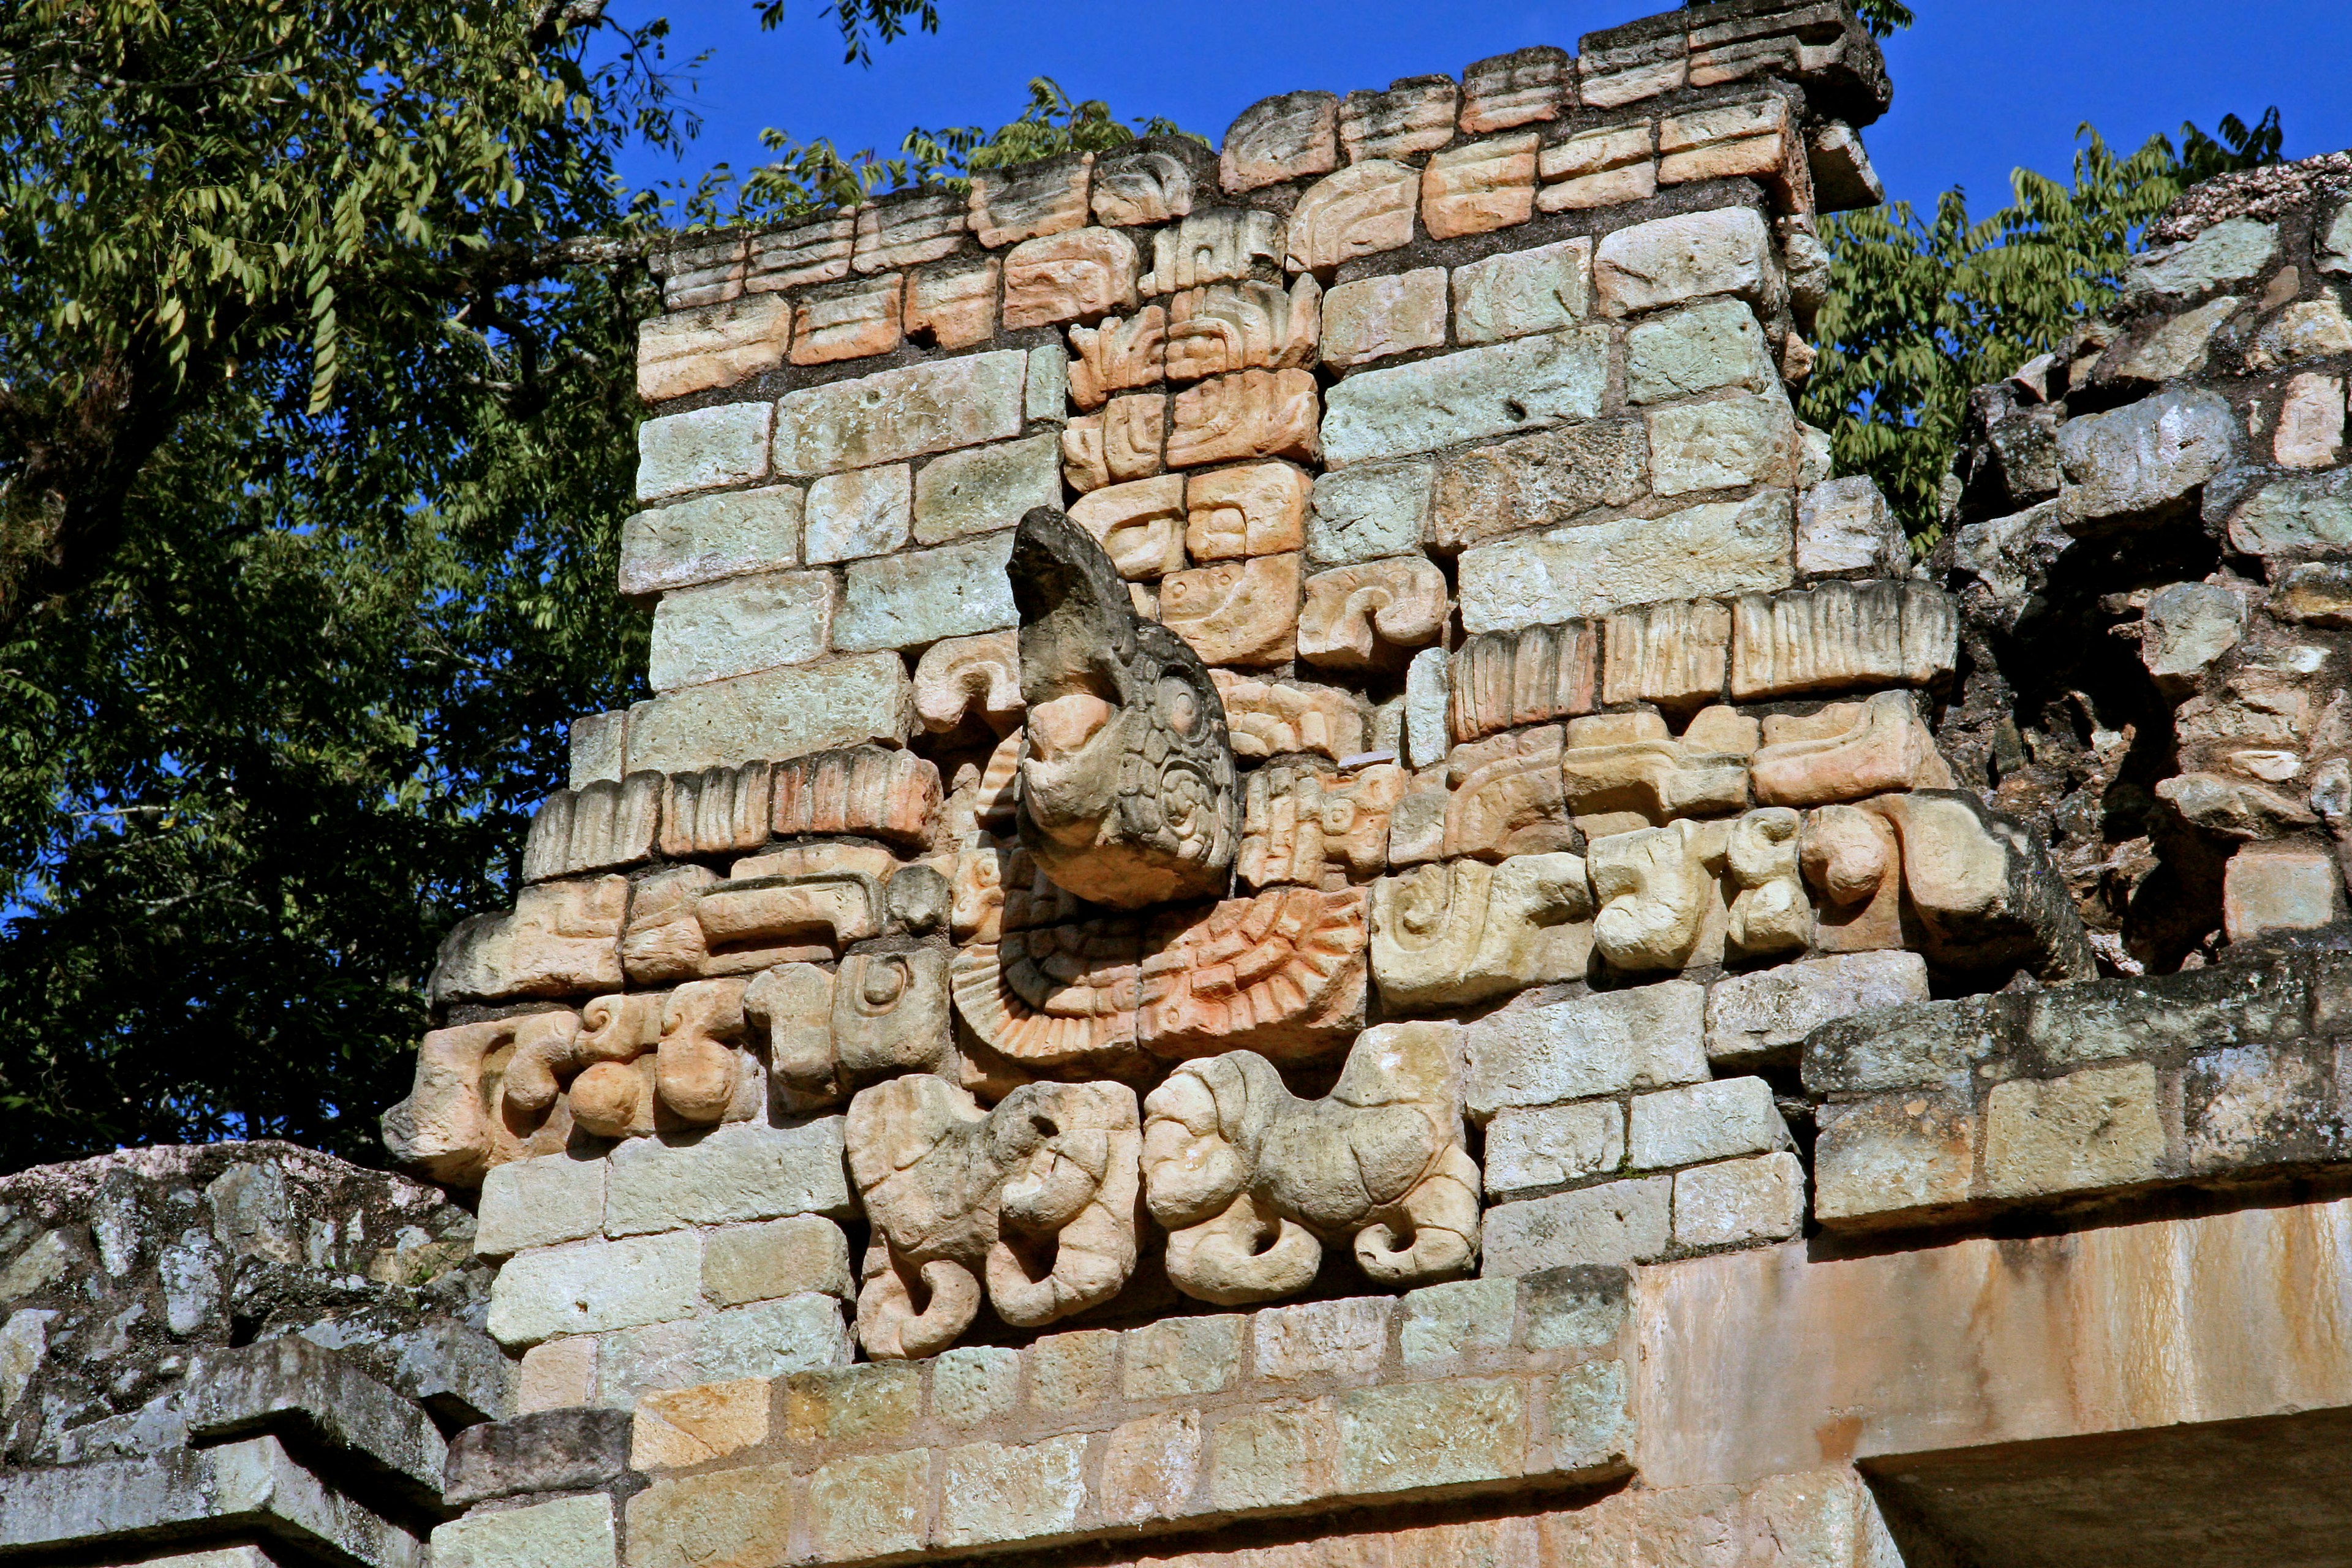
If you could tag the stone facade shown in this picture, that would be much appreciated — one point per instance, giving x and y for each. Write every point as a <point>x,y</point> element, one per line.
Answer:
<point>1301,892</point>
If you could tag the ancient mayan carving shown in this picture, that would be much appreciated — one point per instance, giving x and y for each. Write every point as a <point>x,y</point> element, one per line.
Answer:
<point>1123,441</point>
<point>1363,208</point>
<point>1620,771</point>
<point>890,794</point>
<point>977,677</point>
<point>1119,355</point>
<point>1456,932</point>
<point>1249,414</point>
<point>1770,913</point>
<point>1251,1181</point>
<point>1504,797</point>
<point>829,1035</point>
<point>1373,615</point>
<point>1656,889</point>
<point>560,939</point>
<point>801,903</point>
<point>1235,612</point>
<point>648,1062</point>
<point>1850,751</point>
<point>1271,718</point>
<point>602,827</point>
<point>1673,654</point>
<point>1139,526</point>
<point>456,1122</point>
<point>1505,680</point>
<point>1301,822</point>
<point>1034,1201</point>
<point>719,811</point>
<point>1078,276</point>
<point>1212,247</point>
<point>1128,791</point>
<point>1141,187</point>
<point>1841,634</point>
<point>1258,509</point>
<point>1251,324</point>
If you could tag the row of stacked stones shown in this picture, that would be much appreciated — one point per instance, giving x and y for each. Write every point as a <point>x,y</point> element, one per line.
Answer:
<point>1293,721</point>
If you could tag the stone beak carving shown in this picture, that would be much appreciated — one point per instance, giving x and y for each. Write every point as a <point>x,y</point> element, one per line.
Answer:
<point>1037,1199</point>
<point>1128,793</point>
<point>1251,1181</point>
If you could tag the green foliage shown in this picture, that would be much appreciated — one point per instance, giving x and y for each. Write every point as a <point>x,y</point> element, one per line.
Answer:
<point>1883,17</point>
<point>809,177</point>
<point>1922,310</point>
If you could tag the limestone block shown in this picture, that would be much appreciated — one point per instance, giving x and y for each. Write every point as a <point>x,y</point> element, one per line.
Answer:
<point>1716,548</point>
<point>957,1195</point>
<point>975,677</point>
<point>805,902</point>
<point>806,253</point>
<point>709,537</point>
<point>1673,653</point>
<point>1506,796</point>
<point>867,1401</point>
<point>1150,1468</point>
<point>1501,680</point>
<point>1699,1123</point>
<point>599,827</point>
<point>1180,1358</point>
<point>2306,513</point>
<point>1299,821</point>
<point>952,304</point>
<point>1457,932</point>
<point>867,790</point>
<point>765,1262</point>
<point>1236,612</point>
<point>1619,772</point>
<point>1272,1457</point>
<point>1730,443</point>
<point>570,1533</point>
<point>2310,432</point>
<point>1372,615</point>
<point>727,1518</point>
<point>682,1426</point>
<point>1073,1371</point>
<point>1894,1154</point>
<point>1269,718</point>
<point>1253,414</point>
<point>1726,141</point>
<point>1230,1156</point>
<point>869,1505</point>
<point>1770,1012</point>
<point>1322,1339</point>
<point>1741,1202</point>
<point>975,1385</point>
<point>2177,347</point>
<point>2280,886</point>
<point>594,1285</point>
<point>1479,186</point>
<point>448,1129</point>
<point>1600,168</point>
<point>1368,511</point>
<point>1498,390</point>
<point>718,345</point>
<point>1030,200</point>
<point>917,597</point>
<point>895,415</point>
<point>1125,441</point>
<point>560,939</point>
<point>2143,462</point>
<point>1141,525</point>
<point>1669,260</point>
<point>1519,89</point>
<point>1364,209</point>
<point>1256,509</point>
<point>1651,1036</point>
<point>906,230</point>
<point>697,273</point>
<point>1438,1324</point>
<point>868,512</point>
<point>1846,526</point>
<point>1523,291</point>
<point>1212,247</point>
<point>849,320</point>
<point>1490,491</point>
<point>992,1492</point>
<point>1630,63</point>
<point>1081,276</point>
<point>1288,137</point>
<point>702,449</point>
<point>1980,888</point>
<point>1404,1436</point>
<point>1535,1152</point>
<point>1427,698</point>
<point>986,489</point>
<point>1839,636</point>
<point>1849,751</point>
<point>1615,1222</point>
<point>1715,344</point>
<point>1414,115</point>
<point>2233,252</point>
<point>540,1202</point>
<point>1141,186</point>
<point>595,747</point>
<point>2100,1128</point>
<point>738,626</point>
<point>1119,355</point>
<point>1374,318</point>
<point>1219,328</point>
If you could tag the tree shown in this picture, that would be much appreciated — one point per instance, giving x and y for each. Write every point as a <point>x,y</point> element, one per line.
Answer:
<point>1921,310</point>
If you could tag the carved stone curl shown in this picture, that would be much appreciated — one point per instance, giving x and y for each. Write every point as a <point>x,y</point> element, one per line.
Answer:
<point>1036,1198</point>
<point>1128,792</point>
<point>1251,1181</point>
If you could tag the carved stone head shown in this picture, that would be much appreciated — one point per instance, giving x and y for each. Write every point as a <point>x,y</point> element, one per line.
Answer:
<point>1128,793</point>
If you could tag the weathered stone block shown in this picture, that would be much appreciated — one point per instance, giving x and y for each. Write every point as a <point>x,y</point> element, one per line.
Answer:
<point>1671,259</point>
<point>702,449</point>
<point>776,713</point>
<point>2232,252</point>
<point>1440,1323</point>
<point>1701,1121</point>
<point>792,1256</point>
<point>1411,1435</point>
<point>1359,211</point>
<point>1257,509</point>
<point>2097,1127</point>
<point>2306,513</point>
<point>553,1451</point>
<point>1729,444</point>
<point>1522,88</point>
<point>1213,247</point>
<point>1711,345</point>
<point>1846,526</point>
<point>1592,1413</point>
<point>1647,1037</point>
<point>993,1492</point>
<point>1533,1152</point>
<point>1030,200</point>
<point>1523,291</point>
<point>806,253</point>
<point>1741,1202</point>
<point>1770,1012</point>
<point>739,1171</point>
<point>1323,1339</point>
<point>727,1518</point>
<point>538,1203</point>
<point>1838,636</point>
<point>681,1426</point>
<point>593,1286</point>
<point>738,626</point>
<point>1715,549</point>
<point>849,320</point>
<point>895,415</point>
<point>1894,1154</point>
<point>1414,115</point>
<point>866,511</point>
<point>718,345</point>
<point>1236,612</point>
<point>1600,168</point>
<point>1081,276</point>
<point>873,1402</point>
<point>1074,1372</point>
<point>570,1533</point>
<point>1180,1357</point>
<point>597,749</point>
<point>1617,1222</point>
<point>709,537</point>
<point>872,1505</point>
<point>1253,414</point>
<point>1285,138</point>
<point>1150,1468</point>
<point>560,1374</point>
<point>1498,390</point>
<point>1370,512</point>
<point>1479,186</point>
<point>972,1385</point>
<point>952,304</point>
<point>2280,886</point>
<point>1490,491</point>
<point>2141,463</point>
<point>771,1338</point>
<point>560,939</point>
<point>986,488</point>
<point>1141,525</point>
<point>1271,1456</point>
<point>1376,317</point>
<point>1146,185</point>
<point>919,596</point>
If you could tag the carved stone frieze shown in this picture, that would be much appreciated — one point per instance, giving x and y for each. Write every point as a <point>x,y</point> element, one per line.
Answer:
<point>830,1034</point>
<point>1373,615</point>
<point>963,678</point>
<point>1456,932</point>
<point>1302,824</point>
<point>1849,751</point>
<point>1501,680</point>
<point>1274,718</point>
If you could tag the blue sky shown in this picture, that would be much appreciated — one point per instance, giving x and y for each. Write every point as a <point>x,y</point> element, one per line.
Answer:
<point>1981,85</point>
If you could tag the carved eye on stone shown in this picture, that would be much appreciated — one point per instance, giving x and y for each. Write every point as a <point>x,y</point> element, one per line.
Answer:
<point>1182,706</point>
<point>884,982</point>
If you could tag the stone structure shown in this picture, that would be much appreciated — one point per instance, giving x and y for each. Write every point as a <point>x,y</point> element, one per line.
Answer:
<point>1299,891</point>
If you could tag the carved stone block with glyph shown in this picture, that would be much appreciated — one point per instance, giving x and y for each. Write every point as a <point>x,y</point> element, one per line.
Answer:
<point>1374,615</point>
<point>830,1034</point>
<point>1456,932</point>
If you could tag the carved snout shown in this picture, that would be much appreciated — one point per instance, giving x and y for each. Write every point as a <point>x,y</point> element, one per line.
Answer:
<point>890,1328</point>
<point>1191,1169</point>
